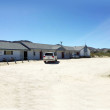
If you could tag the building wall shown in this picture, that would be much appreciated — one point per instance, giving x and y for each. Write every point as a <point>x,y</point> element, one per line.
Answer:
<point>82,54</point>
<point>16,54</point>
<point>37,55</point>
<point>67,54</point>
<point>21,54</point>
<point>30,55</point>
<point>59,55</point>
<point>1,55</point>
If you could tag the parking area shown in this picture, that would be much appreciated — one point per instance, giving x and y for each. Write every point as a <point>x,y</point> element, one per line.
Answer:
<point>73,84</point>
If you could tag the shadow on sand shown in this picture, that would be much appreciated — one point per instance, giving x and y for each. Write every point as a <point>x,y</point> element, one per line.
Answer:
<point>106,76</point>
<point>57,62</point>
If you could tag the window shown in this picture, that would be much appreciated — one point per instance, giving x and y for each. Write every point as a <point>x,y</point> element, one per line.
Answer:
<point>77,53</point>
<point>48,54</point>
<point>8,52</point>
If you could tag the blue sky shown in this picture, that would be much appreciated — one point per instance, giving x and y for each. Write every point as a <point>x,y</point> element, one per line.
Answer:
<point>50,21</point>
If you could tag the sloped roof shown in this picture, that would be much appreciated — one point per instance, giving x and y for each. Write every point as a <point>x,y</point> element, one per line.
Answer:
<point>41,46</point>
<point>77,48</point>
<point>68,48</point>
<point>51,47</point>
<point>29,45</point>
<point>11,46</point>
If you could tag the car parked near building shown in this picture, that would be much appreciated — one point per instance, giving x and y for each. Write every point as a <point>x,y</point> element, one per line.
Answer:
<point>75,56</point>
<point>50,57</point>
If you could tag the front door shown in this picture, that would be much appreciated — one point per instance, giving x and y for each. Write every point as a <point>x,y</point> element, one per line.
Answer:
<point>77,53</point>
<point>25,55</point>
<point>62,54</point>
<point>41,55</point>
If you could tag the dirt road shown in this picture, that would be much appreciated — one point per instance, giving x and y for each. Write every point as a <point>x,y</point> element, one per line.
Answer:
<point>75,84</point>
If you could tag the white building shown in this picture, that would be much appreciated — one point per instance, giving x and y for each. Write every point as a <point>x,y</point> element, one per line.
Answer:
<point>82,51</point>
<point>9,50</point>
<point>35,51</point>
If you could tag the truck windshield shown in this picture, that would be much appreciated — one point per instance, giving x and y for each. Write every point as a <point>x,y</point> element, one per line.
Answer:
<point>48,54</point>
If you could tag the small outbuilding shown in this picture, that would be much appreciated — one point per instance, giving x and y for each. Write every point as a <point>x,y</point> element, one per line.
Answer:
<point>82,51</point>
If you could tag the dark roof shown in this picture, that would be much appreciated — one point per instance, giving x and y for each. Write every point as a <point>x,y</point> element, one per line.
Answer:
<point>41,46</point>
<point>68,48</point>
<point>11,46</point>
<point>28,45</point>
<point>77,48</point>
<point>51,47</point>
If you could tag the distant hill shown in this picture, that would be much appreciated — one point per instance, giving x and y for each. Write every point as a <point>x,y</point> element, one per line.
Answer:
<point>4,41</point>
<point>15,41</point>
<point>99,50</point>
<point>21,41</point>
<point>104,52</point>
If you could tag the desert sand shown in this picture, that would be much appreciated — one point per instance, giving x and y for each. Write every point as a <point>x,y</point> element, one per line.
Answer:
<point>75,84</point>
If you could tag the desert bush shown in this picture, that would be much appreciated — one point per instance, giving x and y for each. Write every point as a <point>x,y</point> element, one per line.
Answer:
<point>100,54</point>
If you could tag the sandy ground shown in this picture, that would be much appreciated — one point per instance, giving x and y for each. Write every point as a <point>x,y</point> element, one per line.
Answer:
<point>75,84</point>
